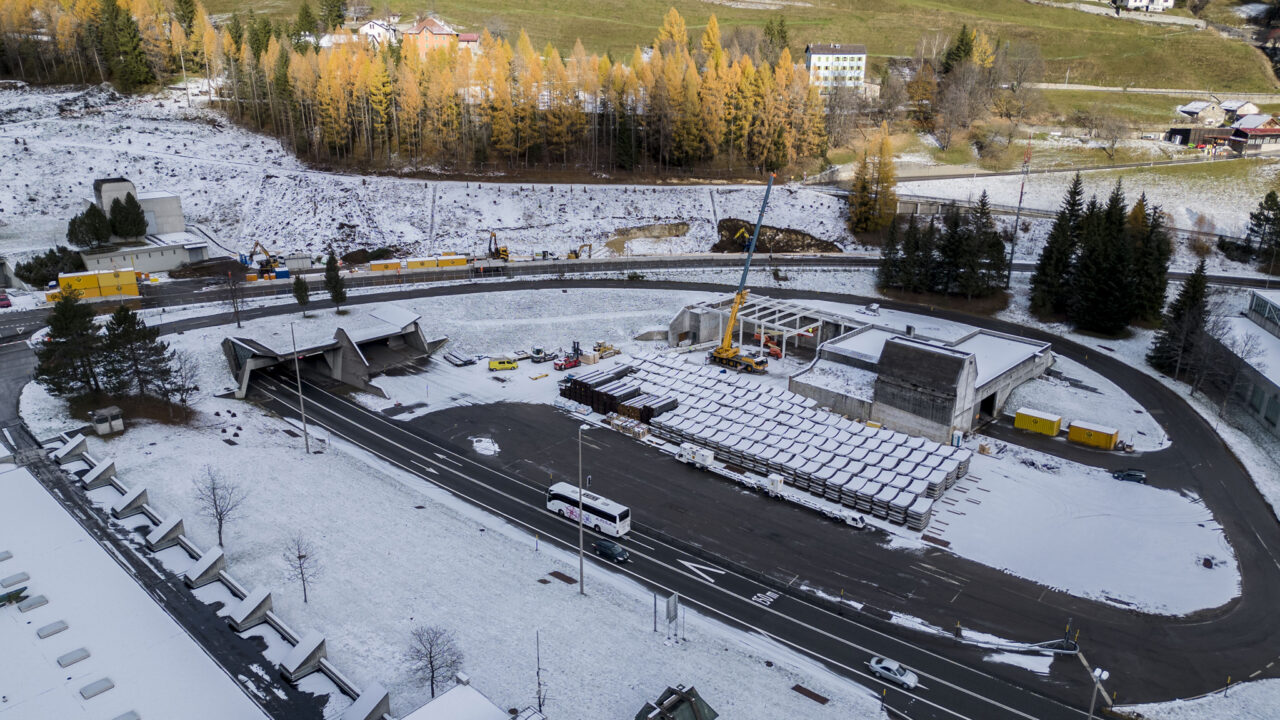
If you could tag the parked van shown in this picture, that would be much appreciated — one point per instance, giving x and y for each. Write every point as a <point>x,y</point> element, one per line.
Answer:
<point>502,364</point>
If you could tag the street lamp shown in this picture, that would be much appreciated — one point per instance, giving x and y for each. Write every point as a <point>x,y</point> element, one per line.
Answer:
<point>582,590</point>
<point>302,406</point>
<point>1099,676</point>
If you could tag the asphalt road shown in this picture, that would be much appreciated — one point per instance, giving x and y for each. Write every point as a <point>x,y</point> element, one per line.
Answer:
<point>1151,657</point>
<point>949,689</point>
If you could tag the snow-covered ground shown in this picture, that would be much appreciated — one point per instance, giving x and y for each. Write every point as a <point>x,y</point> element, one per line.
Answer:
<point>157,670</point>
<point>246,187</point>
<point>1255,700</point>
<point>1105,404</point>
<point>1215,205</point>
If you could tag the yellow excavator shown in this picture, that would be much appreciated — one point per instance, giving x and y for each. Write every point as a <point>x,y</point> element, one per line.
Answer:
<point>577,254</point>
<point>496,251</point>
<point>268,262</point>
<point>726,354</point>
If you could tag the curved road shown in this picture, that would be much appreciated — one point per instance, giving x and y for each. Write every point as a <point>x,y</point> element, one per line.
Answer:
<point>1151,657</point>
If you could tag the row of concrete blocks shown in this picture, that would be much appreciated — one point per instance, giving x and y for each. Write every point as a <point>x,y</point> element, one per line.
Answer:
<point>309,652</point>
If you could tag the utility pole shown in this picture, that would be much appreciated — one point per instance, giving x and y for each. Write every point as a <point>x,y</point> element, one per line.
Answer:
<point>1017,218</point>
<point>302,405</point>
<point>582,589</point>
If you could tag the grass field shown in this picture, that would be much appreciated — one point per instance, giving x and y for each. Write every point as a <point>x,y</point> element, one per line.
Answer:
<point>1097,50</point>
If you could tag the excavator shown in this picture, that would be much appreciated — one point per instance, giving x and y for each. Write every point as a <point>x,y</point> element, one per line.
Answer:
<point>726,354</point>
<point>577,254</point>
<point>496,251</point>
<point>268,261</point>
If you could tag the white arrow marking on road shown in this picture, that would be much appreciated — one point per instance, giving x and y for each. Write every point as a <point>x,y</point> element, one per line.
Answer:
<point>700,568</point>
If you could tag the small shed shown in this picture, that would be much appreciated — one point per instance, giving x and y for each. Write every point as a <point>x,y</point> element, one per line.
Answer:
<point>1099,436</point>
<point>1037,421</point>
<point>108,420</point>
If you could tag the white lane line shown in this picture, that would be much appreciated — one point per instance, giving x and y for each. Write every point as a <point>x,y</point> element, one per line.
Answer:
<point>703,570</point>
<point>425,467</point>
<point>376,418</point>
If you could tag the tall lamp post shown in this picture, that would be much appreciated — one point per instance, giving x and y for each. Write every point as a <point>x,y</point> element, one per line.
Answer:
<point>582,590</point>
<point>302,406</point>
<point>1099,676</point>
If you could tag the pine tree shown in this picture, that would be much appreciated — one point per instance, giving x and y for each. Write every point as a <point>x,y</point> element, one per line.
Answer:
<point>302,293</point>
<point>78,234</point>
<point>1051,282</point>
<point>66,362</point>
<point>127,218</point>
<point>184,11</point>
<point>961,50</point>
<point>988,248</point>
<point>889,275</point>
<point>129,64</point>
<point>919,260</point>
<point>1102,299</point>
<point>1152,250</point>
<point>333,13</point>
<point>1184,326</point>
<point>861,201</point>
<point>883,180</point>
<point>135,359</point>
<point>957,258</point>
<point>334,282</point>
<point>304,26</point>
<point>1264,228</point>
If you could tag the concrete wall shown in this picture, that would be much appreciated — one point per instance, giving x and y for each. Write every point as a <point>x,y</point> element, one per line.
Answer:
<point>164,214</point>
<point>838,402</point>
<point>150,258</point>
<point>113,191</point>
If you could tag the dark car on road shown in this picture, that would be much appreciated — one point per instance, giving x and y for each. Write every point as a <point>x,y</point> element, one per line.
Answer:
<point>1130,475</point>
<point>611,550</point>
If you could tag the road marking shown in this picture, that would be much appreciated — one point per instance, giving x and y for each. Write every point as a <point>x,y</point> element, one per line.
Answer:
<point>446,459</point>
<point>707,607</point>
<point>425,467</point>
<point>765,598</point>
<point>700,568</point>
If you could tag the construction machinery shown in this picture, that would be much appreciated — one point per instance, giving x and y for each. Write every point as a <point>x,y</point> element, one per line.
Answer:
<point>496,251</point>
<point>540,356</point>
<point>269,260</point>
<point>770,345</point>
<point>571,359</point>
<point>726,353</point>
<point>577,254</point>
<point>605,350</point>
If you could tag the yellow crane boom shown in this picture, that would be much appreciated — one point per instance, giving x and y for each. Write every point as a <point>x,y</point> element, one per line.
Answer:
<point>726,353</point>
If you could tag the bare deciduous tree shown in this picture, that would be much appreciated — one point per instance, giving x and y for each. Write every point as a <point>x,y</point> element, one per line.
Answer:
<point>186,371</point>
<point>844,108</point>
<point>1110,130</point>
<point>219,499</point>
<point>301,562</point>
<point>434,652</point>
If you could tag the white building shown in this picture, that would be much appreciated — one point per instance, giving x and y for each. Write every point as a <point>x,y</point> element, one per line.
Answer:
<point>836,65</point>
<point>1147,5</point>
<point>379,33</point>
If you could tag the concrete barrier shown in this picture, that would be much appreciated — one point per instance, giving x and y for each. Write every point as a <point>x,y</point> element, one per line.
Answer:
<point>130,503</point>
<point>206,569</point>
<point>304,658</point>
<point>372,704</point>
<point>74,446</point>
<point>165,535</point>
<point>251,611</point>
<point>100,475</point>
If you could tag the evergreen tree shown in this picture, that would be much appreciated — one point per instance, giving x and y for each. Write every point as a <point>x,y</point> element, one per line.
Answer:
<point>304,25</point>
<point>988,249</point>
<point>97,224</point>
<point>66,362</point>
<point>883,180</point>
<point>1101,292</point>
<point>861,201</point>
<point>184,11</point>
<point>127,218</point>
<point>302,293</point>
<point>333,13</point>
<point>1264,228</point>
<point>78,232</point>
<point>135,359</point>
<point>956,259</point>
<point>1152,251</point>
<point>889,274</point>
<point>919,263</point>
<point>960,51</point>
<point>1184,326</point>
<point>334,282</point>
<point>1051,282</point>
<point>129,64</point>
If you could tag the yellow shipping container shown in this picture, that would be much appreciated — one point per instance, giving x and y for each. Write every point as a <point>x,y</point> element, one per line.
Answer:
<point>90,293</point>
<point>78,281</point>
<point>250,277</point>
<point>54,296</point>
<point>1098,436</point>
<point>114,290</point>
<point>384,265</point>
<point>1039,422</point>
<point>452,260</point>
<point>420,263</point>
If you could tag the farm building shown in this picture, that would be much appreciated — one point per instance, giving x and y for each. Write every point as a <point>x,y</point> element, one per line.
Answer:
<point>913,373</point>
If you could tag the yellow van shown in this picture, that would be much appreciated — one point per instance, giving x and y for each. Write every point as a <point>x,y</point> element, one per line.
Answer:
<point>502,364</point>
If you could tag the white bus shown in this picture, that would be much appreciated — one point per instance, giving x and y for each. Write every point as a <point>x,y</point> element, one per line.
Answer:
<point>598,513</point>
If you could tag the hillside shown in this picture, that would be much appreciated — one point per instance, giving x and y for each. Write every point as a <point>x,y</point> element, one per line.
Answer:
<point>1096,50</point>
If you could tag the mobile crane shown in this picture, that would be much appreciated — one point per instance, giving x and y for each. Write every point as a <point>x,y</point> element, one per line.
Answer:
<point>726,354</point>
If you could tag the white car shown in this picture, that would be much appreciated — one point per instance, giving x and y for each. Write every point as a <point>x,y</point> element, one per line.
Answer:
<point>894,671</point>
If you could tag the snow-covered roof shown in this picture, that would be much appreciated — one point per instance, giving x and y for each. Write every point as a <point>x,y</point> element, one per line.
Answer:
<point>1094,427</point>
<point>1195,108</point>
<point>846,379</point>
<point>866,344</point>
<point>461,702</point>
<point>1266,359</point>
<point>1039,414</point>
<point>117,632</point>
<point>155,195</point>
<point>996,354</point>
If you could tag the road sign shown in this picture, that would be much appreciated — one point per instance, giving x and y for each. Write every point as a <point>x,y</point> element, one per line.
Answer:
<point>673,607</point>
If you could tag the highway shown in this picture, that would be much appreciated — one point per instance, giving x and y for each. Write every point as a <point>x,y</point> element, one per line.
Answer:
<point>949,689</point>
